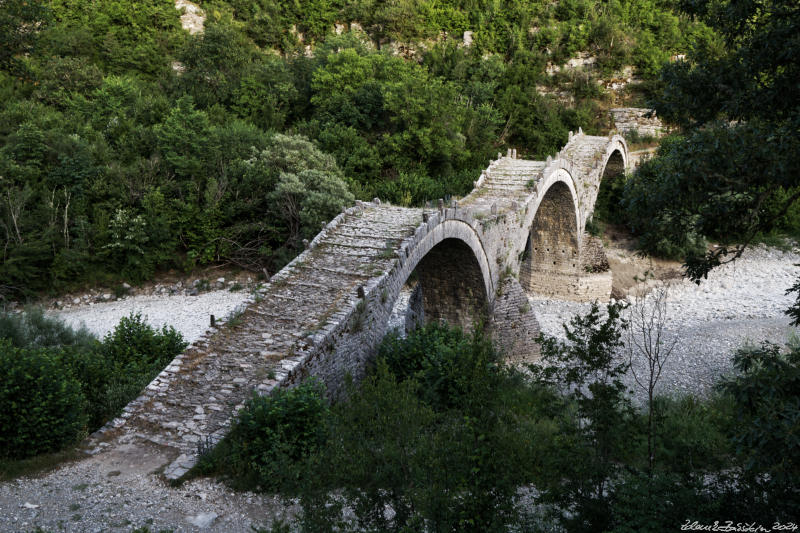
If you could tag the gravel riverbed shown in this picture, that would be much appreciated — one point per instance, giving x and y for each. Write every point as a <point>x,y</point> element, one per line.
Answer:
<point>190,315</point>
<point>740,303</point>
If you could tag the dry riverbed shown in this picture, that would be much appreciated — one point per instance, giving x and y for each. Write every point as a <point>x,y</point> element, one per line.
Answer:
<point>740,304</point>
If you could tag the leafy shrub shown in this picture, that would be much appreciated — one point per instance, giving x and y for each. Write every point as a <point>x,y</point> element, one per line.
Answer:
<point>129,357</point>
<point>41,407</point>
<point>135,346</point>
<point>447,363</point>
<point>272,437</point>
<point>109,374</point>
<point>76,350</point>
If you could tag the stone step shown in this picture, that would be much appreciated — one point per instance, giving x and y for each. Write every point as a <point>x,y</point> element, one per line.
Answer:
<point>359,242</point>
<point>370,232</point>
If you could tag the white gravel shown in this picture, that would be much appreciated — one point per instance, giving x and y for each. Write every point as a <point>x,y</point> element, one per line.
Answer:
<point>189,315</point>
<point>107,493</point>
<point>740,304</point>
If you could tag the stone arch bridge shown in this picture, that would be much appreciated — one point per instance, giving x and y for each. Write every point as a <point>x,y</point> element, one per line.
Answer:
<point>521,230</point>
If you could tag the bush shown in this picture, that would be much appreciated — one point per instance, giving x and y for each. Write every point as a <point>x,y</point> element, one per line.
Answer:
<point>41,407</point>
<point>271,439</point>
<point>123,364</point>
<point>448,364</point>
<point>136,347</point>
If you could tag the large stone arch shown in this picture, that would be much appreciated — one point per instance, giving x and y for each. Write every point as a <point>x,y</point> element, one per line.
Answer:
<point>453,276</point>
<point>553,246</point>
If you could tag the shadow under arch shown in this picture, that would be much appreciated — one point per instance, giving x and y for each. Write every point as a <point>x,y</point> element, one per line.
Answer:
<point>449,278</point>
<point>449,288</point>
<point>553,245</point>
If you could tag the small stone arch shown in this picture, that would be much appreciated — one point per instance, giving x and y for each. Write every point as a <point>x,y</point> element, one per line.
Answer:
<point>610,181</point>
<point>615,165</point>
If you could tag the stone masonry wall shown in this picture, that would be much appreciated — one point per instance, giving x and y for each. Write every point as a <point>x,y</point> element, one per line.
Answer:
<point>514,326</point>
<point>635,119</point>
<point>593,255</point>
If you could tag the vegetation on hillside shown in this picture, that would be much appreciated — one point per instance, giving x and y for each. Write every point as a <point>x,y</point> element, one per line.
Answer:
<point>128,146</point>
<point>733,174</point>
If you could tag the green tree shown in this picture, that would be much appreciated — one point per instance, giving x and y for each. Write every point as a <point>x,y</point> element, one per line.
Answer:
<point>215,62</point>
<point>588,370</point>
<point>767,411</point>
<point>266,94</point>
<point>742,152</point>
<point>296,185</point>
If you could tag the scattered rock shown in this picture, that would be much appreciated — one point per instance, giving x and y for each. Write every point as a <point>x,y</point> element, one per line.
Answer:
<point>193,18</point>
<point>202,520</point>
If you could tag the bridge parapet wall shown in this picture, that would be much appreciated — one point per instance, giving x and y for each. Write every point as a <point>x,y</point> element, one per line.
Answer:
<point>344,345</point>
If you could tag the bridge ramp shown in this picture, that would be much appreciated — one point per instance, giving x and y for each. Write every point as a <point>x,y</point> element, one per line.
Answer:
<point>190,405</point>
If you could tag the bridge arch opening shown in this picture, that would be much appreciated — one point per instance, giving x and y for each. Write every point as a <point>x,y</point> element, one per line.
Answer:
<point>447,285</point>
<point>607,206</point>
<point>552,248</point>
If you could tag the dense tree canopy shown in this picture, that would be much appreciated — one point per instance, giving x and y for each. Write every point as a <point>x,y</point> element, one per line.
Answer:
<point>736,171</point>
<point>128,145</point>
